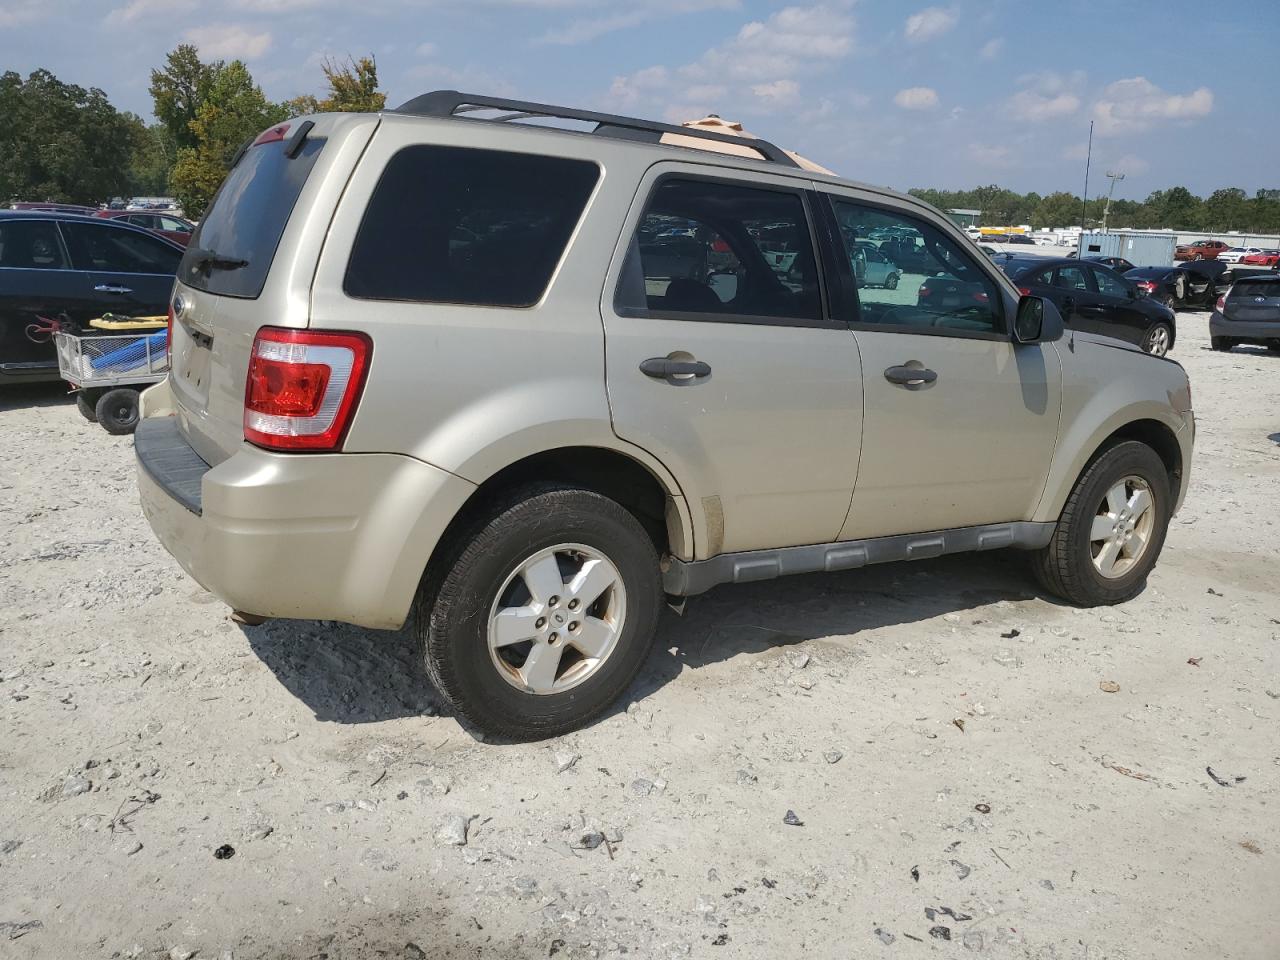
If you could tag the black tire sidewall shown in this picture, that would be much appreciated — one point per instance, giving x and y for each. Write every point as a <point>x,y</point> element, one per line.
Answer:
<point>1125,459</point>
<point>86,406</point>
<point>107,406</point>
<point>1146,341</point>
<point>456,635</point>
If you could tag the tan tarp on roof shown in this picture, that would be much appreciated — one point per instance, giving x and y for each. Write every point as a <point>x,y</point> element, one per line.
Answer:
<point>733,129</point>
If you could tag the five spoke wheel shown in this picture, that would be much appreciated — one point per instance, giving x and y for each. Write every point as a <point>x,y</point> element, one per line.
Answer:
<point>1122,527</point>
<point>557,618</point>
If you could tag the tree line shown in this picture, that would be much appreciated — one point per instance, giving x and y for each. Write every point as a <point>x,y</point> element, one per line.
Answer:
<point>61,142</point>
<point>1176,208</point>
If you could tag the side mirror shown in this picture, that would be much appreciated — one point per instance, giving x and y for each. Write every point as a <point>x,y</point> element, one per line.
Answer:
<point>1037,321</point>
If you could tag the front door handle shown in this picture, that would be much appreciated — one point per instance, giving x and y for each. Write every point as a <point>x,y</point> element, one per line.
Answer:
<point>910,376</point>
<point>108,288</point>
<point>664,368</point>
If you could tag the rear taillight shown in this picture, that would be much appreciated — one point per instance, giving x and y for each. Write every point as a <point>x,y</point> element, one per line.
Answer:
<point>1025,291</point>
<point>981,297</point>
<point>1221,304</point>
<point>168,337</point>
<point>924,292</point>
<point>303,387</point>
<point>1146,286</point>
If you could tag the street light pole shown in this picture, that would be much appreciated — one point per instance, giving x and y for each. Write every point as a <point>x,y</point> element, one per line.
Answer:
<point>1106,211</point>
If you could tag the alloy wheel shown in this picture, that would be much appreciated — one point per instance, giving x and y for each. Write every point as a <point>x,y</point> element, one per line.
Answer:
<point>1157,342</point>
<point>557,619</point>
<point>1122,527</point>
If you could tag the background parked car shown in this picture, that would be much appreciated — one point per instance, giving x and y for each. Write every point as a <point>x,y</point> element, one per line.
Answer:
<point>1094,298</point>
<point>168,226</point>
<point>1266,258</point>
<point>1236,254</point>
<point>1248,313</point>
<point>1199,250</point>
<point>51,207</point>
<point>1182,285</point>
<point>1118,264</point>
<point>73,269</point>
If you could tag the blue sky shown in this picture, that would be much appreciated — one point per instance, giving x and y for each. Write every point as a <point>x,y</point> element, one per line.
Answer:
<point>900,93</point>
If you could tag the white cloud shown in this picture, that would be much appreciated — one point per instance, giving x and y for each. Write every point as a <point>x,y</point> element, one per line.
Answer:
<point>229,41</point>
<point>137,9</point>
<point>929,23</point>
<point>779,93</point>
<point>1137,104</point>
<point>991,49</point>
<point>989,154</point>
<point>1046,96</point>
<point>425,49</point>
<point>765,57</point>
<point>916,98</point>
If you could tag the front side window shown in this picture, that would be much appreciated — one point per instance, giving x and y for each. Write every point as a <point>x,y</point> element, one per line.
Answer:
<point>476,227</point>
<point>723,251</point>
<point>30,245</point>
<point>931,281</point>
<point>113,249</point>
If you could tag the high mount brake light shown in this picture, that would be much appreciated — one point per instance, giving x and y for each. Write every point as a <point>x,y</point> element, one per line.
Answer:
<point>303,387</point>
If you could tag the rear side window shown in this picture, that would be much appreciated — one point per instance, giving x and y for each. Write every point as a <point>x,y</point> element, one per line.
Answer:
<point>244,223</point>
<point>113,249</point>
<point>477,227</point>
<point>30,245</point>
<point>1255,288</point>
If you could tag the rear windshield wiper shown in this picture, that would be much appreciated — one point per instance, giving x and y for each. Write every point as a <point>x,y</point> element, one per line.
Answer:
<point>208,259</point>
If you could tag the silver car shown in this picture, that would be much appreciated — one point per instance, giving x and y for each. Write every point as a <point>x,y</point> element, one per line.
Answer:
<point>520,385</point>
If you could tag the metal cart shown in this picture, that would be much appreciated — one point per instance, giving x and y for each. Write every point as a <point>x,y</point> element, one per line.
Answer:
<point>108,370</point>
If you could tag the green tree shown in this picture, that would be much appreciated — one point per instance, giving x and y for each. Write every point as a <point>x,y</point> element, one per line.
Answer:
<point>1226,209</point>
<point>179,89</point>
<point>353,88</point>
<point>1060,209</point>
<point>152,157</point>
<point>59,141</point>
<point>233,111</point>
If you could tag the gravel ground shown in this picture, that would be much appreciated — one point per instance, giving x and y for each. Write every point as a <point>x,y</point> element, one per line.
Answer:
<point>961,781</point>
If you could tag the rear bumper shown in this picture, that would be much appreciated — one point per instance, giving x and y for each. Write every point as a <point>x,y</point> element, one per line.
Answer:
<point>1257,331</point>
<point>314,536</point>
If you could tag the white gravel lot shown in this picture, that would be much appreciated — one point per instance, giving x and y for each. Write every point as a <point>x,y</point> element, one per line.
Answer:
<point>939,728</point>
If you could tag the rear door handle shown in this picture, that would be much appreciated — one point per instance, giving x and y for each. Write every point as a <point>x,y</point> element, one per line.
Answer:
<point>910,376</point>
<point>664,368</point>
<point>108,288</point>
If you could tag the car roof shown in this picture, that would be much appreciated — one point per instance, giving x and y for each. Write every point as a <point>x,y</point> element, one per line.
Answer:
<point>108,222</point>
<point>1152,271</point>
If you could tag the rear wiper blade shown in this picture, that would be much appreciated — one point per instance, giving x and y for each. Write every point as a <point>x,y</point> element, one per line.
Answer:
<point>205,259</point>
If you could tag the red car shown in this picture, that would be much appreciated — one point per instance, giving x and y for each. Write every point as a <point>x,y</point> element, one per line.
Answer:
<point>168,226</point>
<point>1200,250</point>
<point>1267,258</point>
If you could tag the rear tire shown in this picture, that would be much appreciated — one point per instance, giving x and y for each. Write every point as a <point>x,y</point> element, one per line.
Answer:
<point>1070,566</point>
<point>891,282</point>
<point>481,584</point>
<point>87,408</point>
<point>117,410</point>
<point>1159,340</point>
<point>1222,344</point>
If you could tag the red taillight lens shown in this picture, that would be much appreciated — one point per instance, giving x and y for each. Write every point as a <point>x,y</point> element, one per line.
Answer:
<point>924,292</point>
<point>1146,286</point>
<point>1025,291</point>
<point>981,297</point>
<point>1221,304</point>
<point>302,388</point>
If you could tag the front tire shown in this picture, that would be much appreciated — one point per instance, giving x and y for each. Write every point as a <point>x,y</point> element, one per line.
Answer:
<point>891,282</point>
<point>1111,530</point>
<point>1158,340</point>
<point>542,612</point>
<point>117,410</point>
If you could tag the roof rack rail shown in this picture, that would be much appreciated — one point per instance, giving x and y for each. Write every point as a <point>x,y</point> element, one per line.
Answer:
<point>451,103</point>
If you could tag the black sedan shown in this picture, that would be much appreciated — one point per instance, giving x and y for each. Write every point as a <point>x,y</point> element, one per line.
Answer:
<point>1196,283</point>
<point>71,269</point>
<point>1095,299</point>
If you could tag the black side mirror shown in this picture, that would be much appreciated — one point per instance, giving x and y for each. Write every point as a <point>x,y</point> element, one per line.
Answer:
<point>1037,321</point>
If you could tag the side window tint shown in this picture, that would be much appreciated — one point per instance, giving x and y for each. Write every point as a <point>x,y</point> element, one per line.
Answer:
<point>1071,278</point>
<point>30,245</point>
<point>910,274</point>
<point>717,248</point>
<point>118,250</point>
<point>478,227</point>
<point>1109,285</point>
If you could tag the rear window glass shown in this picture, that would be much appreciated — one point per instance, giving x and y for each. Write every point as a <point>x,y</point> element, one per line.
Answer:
<point>1256,288</point>
<point>246,219</point>
<point>478,227</point>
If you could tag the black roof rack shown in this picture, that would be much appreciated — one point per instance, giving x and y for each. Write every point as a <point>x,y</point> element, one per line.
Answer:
<point>451,103</point>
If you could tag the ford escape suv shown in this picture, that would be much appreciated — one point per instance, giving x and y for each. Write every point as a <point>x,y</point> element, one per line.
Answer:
<point>518,384</point>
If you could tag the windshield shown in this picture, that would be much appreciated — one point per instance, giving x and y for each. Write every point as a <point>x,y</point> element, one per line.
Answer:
<point>232,249</point>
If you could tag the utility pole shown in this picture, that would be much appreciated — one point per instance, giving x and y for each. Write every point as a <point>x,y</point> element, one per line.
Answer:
<point>1106,211</point>
<point>1088,159</point>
